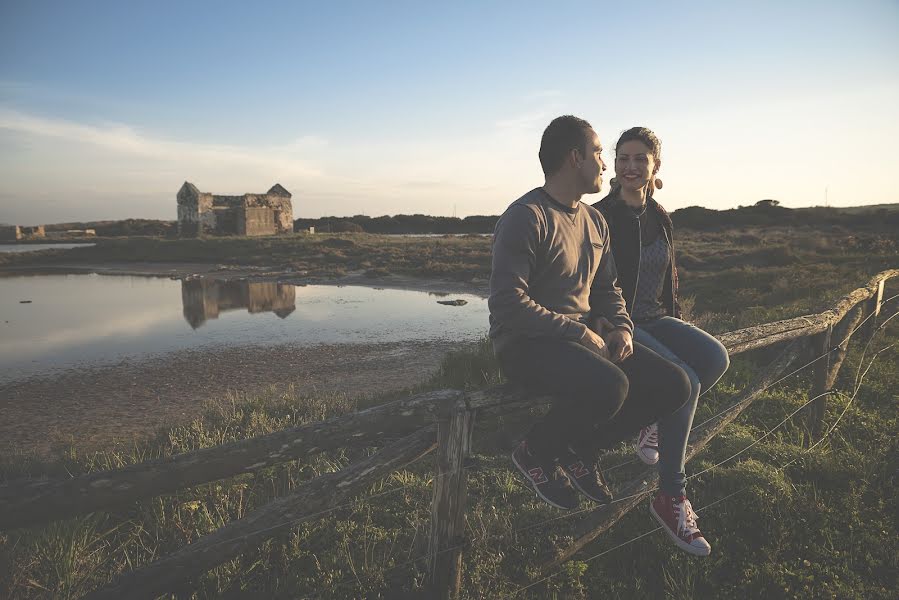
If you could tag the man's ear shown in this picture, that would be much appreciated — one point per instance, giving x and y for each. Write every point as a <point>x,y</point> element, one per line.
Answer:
<point>574,155</point>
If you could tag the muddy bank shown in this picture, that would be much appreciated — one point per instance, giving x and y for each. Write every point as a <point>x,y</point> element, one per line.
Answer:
<point>94,408</point>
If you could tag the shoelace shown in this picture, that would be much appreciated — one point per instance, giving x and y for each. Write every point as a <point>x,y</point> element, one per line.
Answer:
<point>686,518</point>
<point>650,436</point>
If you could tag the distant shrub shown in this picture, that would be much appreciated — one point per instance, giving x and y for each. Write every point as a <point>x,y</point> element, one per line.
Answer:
<point>776,256</point>
<point>689,261</point>
<point>346,227</point>
<point>337,243</point>
<point>747,239</point>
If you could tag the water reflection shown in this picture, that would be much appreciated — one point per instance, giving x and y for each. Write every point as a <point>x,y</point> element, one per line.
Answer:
<point>205,299</point>
<point>81,320</point>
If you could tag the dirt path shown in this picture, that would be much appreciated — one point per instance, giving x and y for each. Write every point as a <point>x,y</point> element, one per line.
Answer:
<point>97,407</point>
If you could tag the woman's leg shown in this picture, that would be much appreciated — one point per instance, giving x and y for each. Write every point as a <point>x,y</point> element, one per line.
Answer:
<point>705,360</point>
<point>657,388</point>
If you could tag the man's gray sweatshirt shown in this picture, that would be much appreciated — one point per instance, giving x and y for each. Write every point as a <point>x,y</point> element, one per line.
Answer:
<point>552,269</point>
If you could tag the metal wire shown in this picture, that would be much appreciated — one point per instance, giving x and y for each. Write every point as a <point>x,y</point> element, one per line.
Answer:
<point>857,387</point>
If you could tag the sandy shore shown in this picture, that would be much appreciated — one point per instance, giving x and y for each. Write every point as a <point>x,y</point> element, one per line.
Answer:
<point>97,407</point>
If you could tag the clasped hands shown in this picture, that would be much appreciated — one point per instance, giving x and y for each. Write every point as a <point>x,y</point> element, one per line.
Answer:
<point>610,342</point>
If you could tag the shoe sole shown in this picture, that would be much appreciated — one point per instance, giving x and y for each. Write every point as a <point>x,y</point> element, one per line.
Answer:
<point>645,460</point>
<point>537,489</point>
<point>584,492</point>
<point>680,543</point>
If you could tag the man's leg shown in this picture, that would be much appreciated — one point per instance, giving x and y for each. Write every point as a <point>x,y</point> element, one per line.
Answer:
<point>657,387</point>
<point>588,389</point>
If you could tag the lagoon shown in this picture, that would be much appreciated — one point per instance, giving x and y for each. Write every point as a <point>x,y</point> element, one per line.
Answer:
<point>54,322</point>
<point>36,247</point>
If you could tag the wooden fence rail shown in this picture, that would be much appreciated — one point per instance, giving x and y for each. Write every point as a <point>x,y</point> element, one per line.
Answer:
<point>34,502</point>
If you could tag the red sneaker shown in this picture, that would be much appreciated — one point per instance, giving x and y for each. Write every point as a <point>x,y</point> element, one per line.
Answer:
<point>679,521</point>
<point>648,444</point>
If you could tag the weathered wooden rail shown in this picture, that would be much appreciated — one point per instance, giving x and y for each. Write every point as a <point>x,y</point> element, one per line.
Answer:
<point>35,502</point>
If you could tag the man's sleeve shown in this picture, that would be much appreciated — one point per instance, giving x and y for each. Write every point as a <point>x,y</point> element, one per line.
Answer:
<point>605,295</point>
<point>515,248</point>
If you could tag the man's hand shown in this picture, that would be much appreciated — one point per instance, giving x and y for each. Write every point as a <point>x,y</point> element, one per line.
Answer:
<point>601,325</point>
<point>594,342</point>
<point>619,341</point>
<point>621,344</point>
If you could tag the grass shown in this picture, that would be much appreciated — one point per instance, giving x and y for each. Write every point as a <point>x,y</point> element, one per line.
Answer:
<point>707,259</point>
<point>823,527</point>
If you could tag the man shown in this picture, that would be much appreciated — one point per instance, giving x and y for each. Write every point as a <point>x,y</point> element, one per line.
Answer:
<point>559,324</point>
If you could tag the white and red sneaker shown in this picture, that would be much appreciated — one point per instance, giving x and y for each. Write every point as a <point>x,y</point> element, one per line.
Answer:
<point>679,521</point>
<point>648,444</point>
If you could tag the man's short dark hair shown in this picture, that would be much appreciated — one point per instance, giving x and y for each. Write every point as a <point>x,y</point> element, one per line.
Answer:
<point>561,136</point>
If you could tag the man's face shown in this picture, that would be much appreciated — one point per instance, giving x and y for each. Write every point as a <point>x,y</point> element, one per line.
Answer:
<point>591,166</point>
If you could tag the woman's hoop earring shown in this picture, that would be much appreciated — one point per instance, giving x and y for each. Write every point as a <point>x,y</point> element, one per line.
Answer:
<point>658,183</point>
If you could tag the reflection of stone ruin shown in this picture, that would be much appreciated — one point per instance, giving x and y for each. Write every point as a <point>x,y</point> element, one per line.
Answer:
<point>204,299</point>
<point>18,232</point>
<point>251,214</point>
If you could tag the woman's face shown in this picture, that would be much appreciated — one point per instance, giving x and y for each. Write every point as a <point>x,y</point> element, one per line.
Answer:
<point>634,165</point>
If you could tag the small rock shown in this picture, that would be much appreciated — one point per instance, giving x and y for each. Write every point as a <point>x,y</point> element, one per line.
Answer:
<point>457,302</point>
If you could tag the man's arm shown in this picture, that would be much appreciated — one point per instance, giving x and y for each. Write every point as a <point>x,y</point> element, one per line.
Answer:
<point>605,295</point>
<point>515,250</point>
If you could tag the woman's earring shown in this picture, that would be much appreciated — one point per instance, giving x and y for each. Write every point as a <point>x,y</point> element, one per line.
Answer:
<point>658,183</point>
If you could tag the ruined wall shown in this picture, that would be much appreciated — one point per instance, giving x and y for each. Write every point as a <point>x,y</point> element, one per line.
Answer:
<point>10,234</point>
<point>258,220</point>
<point>17,232</point>
<point>31,233</point>
<point>204,299</point>
<point>250,214</point>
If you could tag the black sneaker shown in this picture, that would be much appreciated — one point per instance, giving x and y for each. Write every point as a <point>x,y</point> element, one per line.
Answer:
<point>587,477</point>
<point>546,477</point>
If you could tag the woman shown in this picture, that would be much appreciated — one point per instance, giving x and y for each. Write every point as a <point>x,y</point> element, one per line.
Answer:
<point>642,244</point>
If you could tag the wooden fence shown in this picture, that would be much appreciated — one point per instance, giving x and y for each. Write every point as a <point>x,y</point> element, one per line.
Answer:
<point>448,413</point>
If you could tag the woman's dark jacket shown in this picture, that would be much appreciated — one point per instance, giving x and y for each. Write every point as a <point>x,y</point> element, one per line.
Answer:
<point>624,228</point>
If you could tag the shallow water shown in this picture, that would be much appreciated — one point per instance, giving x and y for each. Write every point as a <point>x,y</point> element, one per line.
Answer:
<point>36,247</point>
<point>53,322</point>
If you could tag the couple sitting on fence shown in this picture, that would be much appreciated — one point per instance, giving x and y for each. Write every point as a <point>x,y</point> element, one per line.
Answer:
<point>583,307</point>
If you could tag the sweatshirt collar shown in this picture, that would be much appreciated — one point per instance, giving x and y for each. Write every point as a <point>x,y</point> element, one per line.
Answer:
<point>559,205</point>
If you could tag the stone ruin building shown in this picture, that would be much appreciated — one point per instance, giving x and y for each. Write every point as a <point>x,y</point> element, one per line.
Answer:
<point>14,233</point>
<point>201,213</point>
<point>203,299</point>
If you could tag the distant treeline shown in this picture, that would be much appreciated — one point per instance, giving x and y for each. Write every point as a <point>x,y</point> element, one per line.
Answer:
<point>124,228</point>
<point>398,224</point>
<point>765,213</point>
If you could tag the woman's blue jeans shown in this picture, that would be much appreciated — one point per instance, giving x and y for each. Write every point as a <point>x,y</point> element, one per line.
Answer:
<point>705,360</point>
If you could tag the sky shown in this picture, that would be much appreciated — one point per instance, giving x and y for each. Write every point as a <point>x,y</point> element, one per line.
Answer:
<point>393,107</point>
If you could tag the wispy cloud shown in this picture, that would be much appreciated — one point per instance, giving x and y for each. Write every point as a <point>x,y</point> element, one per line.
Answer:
<point>128,140</point>
<point>543,94</point>
<point>526,121</point>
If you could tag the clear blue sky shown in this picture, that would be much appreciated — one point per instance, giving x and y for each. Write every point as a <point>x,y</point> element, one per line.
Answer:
<point>106,108</point>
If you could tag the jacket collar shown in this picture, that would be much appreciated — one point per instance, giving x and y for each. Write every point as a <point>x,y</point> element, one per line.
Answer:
<point>614,204</point>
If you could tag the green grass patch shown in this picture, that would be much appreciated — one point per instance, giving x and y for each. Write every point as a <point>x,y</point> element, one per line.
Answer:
<point>823,527</point>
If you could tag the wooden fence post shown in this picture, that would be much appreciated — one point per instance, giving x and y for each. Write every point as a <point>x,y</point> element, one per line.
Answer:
<point>820,345</point>
<point>448,505</point>
<point>873,306</point>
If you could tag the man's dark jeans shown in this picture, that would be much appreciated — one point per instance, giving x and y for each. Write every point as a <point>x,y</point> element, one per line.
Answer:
<point>597,403</point>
